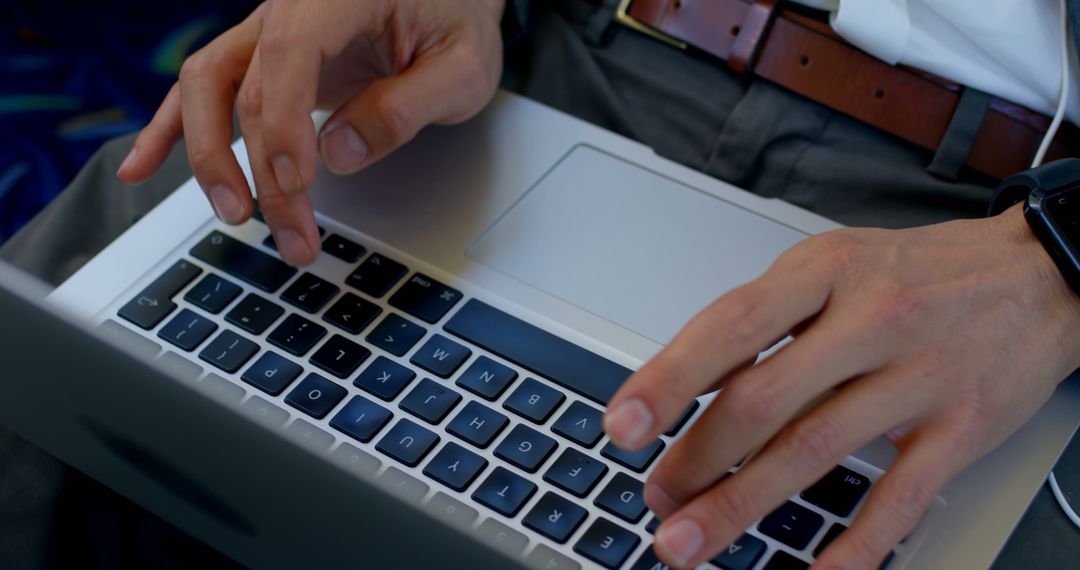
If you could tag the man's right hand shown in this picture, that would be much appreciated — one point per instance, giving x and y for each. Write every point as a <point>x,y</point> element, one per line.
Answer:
<point>388,67</point>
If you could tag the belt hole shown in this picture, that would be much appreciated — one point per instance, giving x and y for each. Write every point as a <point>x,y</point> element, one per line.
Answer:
<point>735,30</point>
<point>678,4</point>
<point>804,61</point>
<point>879,93</point>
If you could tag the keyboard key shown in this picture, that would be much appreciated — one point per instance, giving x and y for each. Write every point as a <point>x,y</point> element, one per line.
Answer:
<point>783,561</point>
<point>154,303</point>
<point>180,367</point>
<point>502,537</point>
<point>243,261</point>
<point>403,485</point>
<point>539,351</point>
<point>229,351</point>
<point>837,492</point>
<point>440,356</point>
<point>351,313</point>
<point>296,335</point>
<point>430,401</point>
<point>534,401</point>
<point>395,335</point>
<point>547,558</point>
<point>451,510</point>
<point>254,314</point>
<point>580,423</point>
<point>128,339</point>
<point>316,396</point>
<point>376,275</point>
<point>309,293</point>
<point>678,425</point>
<point>361,419</point>
<point>477,424</point>
<point>384,378</point>
<point>525,448</point>
<point>407,442</point>
<point>504,492</point>
<point>623,497</point>
<point>649,561</point>
<point>425,298</point>
<point>486,378</point>
<point>212,294</point>
<point>264,412</point>
<point>575,472</point>
<point>357,460</point>
<point>606,543</point>
<point>309,436</point>
<point>792,524</point>
<point>742,555</point>
<point>340,356</point>
<point>187,330</point>
<point>270,243</point>
<point>654,523</point>
<point>555,517</point>
<point>637,461</point>
<point>272,373</point>
<point>343,249</point>
<point>221,389</point>
<point>455,466</point>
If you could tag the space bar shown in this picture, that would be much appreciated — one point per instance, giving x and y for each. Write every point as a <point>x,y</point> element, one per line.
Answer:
<point>538,351</point>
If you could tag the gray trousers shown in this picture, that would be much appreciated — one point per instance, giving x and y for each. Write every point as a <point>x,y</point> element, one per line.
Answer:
<point>692,110</point>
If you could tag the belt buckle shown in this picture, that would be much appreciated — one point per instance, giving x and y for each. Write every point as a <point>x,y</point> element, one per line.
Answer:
<point>622,16</point>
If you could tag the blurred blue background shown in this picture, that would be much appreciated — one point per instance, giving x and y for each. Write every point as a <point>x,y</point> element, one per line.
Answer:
<point>74,74</point>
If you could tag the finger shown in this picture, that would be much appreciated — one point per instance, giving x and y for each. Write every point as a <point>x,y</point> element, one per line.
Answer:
<point>208,83</point>
<point>726,334</point>
<point>290,217</point>
<point>797,457</point>
<point>154,143</point>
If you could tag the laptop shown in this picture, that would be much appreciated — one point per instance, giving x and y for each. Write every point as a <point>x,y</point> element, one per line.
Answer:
<point>428,393</point>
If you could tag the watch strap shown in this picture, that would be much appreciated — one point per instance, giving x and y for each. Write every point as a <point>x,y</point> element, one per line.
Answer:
<point>1050,176</point>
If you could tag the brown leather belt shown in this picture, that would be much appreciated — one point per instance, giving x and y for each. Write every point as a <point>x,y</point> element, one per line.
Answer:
<point>802,54</point>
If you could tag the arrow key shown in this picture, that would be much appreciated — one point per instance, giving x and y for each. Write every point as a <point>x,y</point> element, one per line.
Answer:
<point>742,555</point>
<point>555,517</point>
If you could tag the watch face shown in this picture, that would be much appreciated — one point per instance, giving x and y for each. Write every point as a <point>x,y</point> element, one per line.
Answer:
<point>1064,209</point>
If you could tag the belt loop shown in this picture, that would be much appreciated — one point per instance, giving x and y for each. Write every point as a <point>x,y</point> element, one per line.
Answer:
<point>747,45</point>
<point>960,135</point>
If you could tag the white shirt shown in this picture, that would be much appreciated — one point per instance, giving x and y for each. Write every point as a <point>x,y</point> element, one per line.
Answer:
<point>1008,48</point>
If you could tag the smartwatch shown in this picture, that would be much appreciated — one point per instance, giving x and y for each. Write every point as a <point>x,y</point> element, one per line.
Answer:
<point>1051,197</point>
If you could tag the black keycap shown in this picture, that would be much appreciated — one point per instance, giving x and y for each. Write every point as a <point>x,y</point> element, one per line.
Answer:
<point>407,442</point>
<point>606,543</point>
<point>440,356</point>
<point>243,261</point>
<point>455,466</point>
<point>180,367</point>
<point>830,535</point>
<point>272,373</point>
<point>384,378</point>
<point>783,561</point>
<point>477,424</point>
<point>742,555</point>
<point>212,294</point>
<point>340,356</point>
<point>351,313</point>
<point>623,498</point>
<point>430,401</point>
<point>555,517</point>
<point>187,330</point>
<point>580,423</point>
<point>638,461</point>
<point>486,378</point>
<point>270,243</point>
<point>128,339</point>
<point>504,492</point>
<point>316,396</point>
<point>361,418</point>
<point>526,448</point>
<point>254,314</point>
<point>649,561</point>
<point>539,351</point>
<point>425,298</point>
<point>296,335</point>
<point>229,351</point>
<point>376,275</point>
<point>575,472</point>
<point>678,425</point>
<point>534,401</point>
<point>309,293</point>
<point>654,523</point>
<point>838,492</point>
<point>395,335</point>
<point>154,303</point>
<point>792,524</point>
<point>343,249</point>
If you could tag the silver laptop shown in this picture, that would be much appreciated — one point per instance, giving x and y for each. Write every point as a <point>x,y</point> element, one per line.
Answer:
<point>429,392</point>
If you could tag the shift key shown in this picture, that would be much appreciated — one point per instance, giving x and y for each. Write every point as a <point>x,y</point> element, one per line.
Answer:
<point>243,261</point>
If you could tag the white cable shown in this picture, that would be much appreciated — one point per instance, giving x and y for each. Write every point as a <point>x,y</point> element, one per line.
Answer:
<point>1062,501</point>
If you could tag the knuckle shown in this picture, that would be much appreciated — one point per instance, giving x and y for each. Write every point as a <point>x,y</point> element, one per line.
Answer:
<point>906,496</point>
<point>394,122</point>
<point>899,307</point>
<point>816,441</point>
<point>277,41</point>
<point>740,319</point>
<point>249,101</point>
<point>200,157</point>
<point>731,506</point>
<point>753,401</point>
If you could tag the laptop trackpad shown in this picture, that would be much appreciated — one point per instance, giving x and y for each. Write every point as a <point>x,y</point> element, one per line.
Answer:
<point>628,244</point>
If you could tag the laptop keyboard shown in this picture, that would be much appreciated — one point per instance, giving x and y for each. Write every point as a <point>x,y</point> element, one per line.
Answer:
<point>486,419</point>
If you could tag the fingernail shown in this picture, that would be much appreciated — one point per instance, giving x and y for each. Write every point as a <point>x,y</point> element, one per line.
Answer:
<point>681,540</point>
<point>660,501</point>
<point>628,422</point>
<point>288,177</point>
<point>128,159</point>
<point>343,150</point>
<point>291,246</point>
<point>227,207</point>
